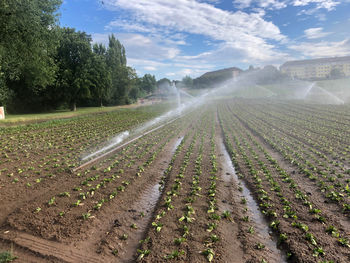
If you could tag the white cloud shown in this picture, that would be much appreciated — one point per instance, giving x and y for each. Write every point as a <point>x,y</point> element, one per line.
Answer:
<point>324,4</point>
<point>242,3</point>
<point>269,4</point>
<point>146,54</point>
<point>210,1</point>
<point>177,69</point>
<point>145,63</point>
<point>150,68</point>
<point>279,4</point>
<point>187,71</point>
<point>232,53</point>
<point>129,27</point>
<point>138,45</point>
<point>316,32</point>
<point>249,32</point>
<point>323,49</point>
<point>157,31</point>
<point>190,71</point>
<point>100,38</point>
<point>194,65</point>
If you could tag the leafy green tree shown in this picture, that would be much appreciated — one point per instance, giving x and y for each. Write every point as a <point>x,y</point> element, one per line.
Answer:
<point>187,81</point>
<point>115,54</point>
<point>126,80</point>
<point>27,44</point>
<point>134,93</point>
<point>163,83</point>
<point>135,90</point>
<point>116,62</point>
<point>4,91</point>
<point>99,49</point>
<point>74,58</point>
<point>99,75</point>
<point>45,66</point>
<point>148,83</point>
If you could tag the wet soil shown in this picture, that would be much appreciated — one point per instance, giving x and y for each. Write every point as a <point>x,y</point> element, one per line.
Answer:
<point>122,195</point>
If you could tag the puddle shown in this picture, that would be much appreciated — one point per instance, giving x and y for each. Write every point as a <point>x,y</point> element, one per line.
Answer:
<point>146,205</point>
<point>149,200</point>
<point>262,225</point>
<point>177,143</point>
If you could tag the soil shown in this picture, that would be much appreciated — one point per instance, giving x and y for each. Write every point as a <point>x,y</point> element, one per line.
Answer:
<point>107,212</point>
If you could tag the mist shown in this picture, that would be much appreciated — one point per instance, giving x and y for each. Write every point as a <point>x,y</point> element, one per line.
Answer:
<point>267,83</point>
<point>270,83</point>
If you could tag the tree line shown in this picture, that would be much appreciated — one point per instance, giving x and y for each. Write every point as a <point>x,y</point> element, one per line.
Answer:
<point>44,66</point>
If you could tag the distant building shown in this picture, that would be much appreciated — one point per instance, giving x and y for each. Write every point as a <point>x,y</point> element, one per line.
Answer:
<point>321,68</point>
<point>213,78</point>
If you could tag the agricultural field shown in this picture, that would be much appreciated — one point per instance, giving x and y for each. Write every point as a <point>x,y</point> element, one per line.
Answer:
<point>236,180</point>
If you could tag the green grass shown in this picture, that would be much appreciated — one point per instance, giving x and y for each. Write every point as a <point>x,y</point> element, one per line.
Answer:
<point>18,119</point>
<point>13,118</point>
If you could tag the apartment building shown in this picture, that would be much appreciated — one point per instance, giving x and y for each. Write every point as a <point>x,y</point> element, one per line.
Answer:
<point>321,68</point>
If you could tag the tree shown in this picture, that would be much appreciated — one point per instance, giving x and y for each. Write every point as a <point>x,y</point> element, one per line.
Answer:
<point>116,62</point>
<point>336,73</point>
<point>99,49</point>
<point>43,66</point>
<point>148,83</point>
<point>163,83</point>
<point>99,75</point>
<point>187,81</point>
<point>27,43</point>
<point>121,85</point>
<point>115,54</point>
<point>74,56</point>
<point>135,90</point>
<point>5,93</point>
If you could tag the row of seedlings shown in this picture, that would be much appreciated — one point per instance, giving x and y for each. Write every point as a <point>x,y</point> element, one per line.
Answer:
<point>299,219</point>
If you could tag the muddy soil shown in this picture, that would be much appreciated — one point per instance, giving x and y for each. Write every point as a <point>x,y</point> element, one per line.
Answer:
<point>180,194</point>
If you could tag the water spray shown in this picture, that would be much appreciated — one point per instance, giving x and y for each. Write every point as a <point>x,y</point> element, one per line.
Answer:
<point>115,141</point>
<point>99,157</point>
<point>167,118</point>
<point>224,88</point>
<point>186,93</point>
<point>310,94</point>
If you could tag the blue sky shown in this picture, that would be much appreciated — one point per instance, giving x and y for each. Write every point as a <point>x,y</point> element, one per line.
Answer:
<point>175,38</point>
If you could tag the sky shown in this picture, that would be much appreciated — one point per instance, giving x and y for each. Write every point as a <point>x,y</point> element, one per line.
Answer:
<point>175,38</point>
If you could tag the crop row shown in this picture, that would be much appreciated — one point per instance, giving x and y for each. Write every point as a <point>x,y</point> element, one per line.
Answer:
<point>330,179</point>
<point>87,191</point>
<point>185,224</point>
<point>279,196</point>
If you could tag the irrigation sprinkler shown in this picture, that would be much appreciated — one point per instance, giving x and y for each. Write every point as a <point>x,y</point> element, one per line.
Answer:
<point>121,146</point>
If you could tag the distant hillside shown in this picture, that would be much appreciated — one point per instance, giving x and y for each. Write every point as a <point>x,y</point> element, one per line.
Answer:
<point>210,79</point>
